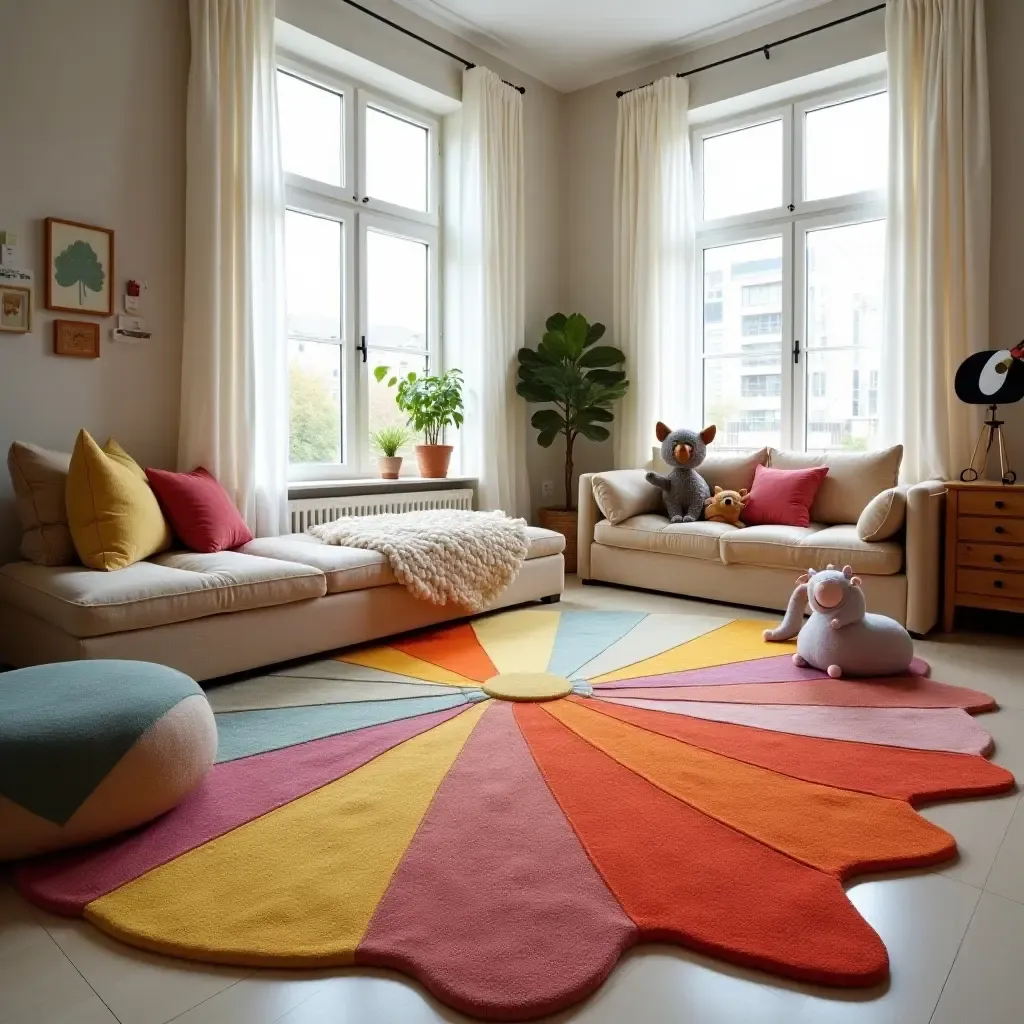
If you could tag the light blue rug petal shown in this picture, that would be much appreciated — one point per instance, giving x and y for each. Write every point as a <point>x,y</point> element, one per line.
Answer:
<point>582,636</point>
<point>243,733</point>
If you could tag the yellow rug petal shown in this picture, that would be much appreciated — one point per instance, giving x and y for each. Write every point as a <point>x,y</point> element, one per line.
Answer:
<point>520,641</point>
<point>740,640</point>
<point>390,660</point>
<point>299,885</point>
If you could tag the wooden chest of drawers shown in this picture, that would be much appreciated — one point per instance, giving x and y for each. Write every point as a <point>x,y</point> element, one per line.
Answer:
<point>984,548</point>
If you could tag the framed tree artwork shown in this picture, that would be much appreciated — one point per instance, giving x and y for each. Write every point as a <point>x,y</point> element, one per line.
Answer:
<point>79,268</point>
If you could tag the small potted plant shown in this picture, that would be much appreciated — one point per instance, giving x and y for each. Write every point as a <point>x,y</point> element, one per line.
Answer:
<point>581,380</point>
<point>388,440</point>
<point>432,404</point>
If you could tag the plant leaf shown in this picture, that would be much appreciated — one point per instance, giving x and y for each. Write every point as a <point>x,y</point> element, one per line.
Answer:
<point>606,377</point>
<point>546,438</point>
<point>556,322</point>
<point>595,333</point>
<point>595,414</point>
<point>555,344</point>
<point>380,372</point>
<point>547,419</point>
<point>594,432</point>
<point>603,355</point>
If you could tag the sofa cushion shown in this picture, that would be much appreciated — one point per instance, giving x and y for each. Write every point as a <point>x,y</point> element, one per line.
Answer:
<point>854,478</point>
<point>782,497</point>
<point>543,542</point>
<point>203,516</point>
<point>623,493</point>
<point>40,478</point>
<point>814,547</point>
<point>656,533</point>
<point>172,587</point>
<point>884,515</point>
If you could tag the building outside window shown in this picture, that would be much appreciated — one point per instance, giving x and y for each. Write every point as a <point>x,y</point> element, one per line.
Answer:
<point>361,262</point>
<point>791,228</point>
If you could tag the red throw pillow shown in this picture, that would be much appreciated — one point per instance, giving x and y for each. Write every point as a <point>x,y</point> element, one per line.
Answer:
<point>199,510</point>
<point>782,497</point>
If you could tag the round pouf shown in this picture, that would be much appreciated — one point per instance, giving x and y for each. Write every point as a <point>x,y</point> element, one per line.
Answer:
<point>91,748</point>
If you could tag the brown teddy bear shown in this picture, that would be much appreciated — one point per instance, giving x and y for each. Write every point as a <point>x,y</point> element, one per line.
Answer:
<point>725,506</point>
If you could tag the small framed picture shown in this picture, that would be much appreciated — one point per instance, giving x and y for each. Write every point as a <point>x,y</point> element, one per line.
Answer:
<point>79,268</point>
<point>76,338</point>
<point>15,309</point>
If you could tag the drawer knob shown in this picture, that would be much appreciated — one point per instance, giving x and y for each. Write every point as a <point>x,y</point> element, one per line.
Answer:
<point>1000,504</point>
<point>997,558</point>
<point>998,584</point>
<point>1000,529</point>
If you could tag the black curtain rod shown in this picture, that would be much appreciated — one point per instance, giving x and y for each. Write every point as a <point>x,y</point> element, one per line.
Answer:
<point>412,35</point>
<point>766,49</point>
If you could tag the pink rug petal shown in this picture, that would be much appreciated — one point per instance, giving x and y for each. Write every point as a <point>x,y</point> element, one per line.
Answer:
<point>232,794</point>
<point>495,907</point>
<point>949,729</point>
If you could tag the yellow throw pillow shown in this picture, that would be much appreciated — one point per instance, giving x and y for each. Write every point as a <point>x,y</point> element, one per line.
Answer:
<point>114,517</point>
<point>114,451</point>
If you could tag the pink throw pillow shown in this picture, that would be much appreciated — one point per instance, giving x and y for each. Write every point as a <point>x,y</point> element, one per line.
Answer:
<point>199,510</point>
<point>782,497</point>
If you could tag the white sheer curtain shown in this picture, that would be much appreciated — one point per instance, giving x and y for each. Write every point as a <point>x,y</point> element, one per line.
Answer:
<point>234,399</point>
<point>938,230</point>
<point>485,284</point>
<point>653,317</point>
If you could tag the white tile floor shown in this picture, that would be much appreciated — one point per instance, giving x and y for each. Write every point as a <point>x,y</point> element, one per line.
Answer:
<point>955,937</point>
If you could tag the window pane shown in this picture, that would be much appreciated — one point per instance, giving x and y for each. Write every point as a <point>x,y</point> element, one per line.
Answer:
<point>396,160</point>
<point>313,248</point>
<point>743,350</point>
<point>396,292</point>
<point>742,171</point>
<point>311,120</point>
<point>844,335</point>
<point>382,409</point>
<point>847,147</point>
<point>315,381</point>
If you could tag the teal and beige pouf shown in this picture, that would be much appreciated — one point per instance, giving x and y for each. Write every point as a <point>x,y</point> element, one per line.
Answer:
<point>91,748</point>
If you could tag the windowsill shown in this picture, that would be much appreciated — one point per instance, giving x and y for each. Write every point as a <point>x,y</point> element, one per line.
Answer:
<point>299,489</point>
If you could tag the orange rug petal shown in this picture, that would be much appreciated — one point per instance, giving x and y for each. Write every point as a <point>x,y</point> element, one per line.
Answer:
<point>456,648</point>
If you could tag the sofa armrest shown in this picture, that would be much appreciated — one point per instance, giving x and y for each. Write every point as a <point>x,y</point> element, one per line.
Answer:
<point>926,504</point>
<point>587,518</point>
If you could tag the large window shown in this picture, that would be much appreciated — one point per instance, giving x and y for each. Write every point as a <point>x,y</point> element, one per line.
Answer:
<point>791,210</point>
<point>361,262</point>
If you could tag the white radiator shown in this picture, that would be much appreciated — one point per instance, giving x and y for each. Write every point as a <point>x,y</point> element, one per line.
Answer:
<point>307,512</point>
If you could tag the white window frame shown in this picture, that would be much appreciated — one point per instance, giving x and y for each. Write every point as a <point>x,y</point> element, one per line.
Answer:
<point>357,212</point>
<point>792,221</point>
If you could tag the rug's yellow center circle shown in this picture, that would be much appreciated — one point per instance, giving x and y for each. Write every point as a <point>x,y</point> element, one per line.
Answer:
<point>527,686</point>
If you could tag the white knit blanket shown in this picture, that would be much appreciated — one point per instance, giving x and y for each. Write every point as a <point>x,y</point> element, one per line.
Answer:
<point>440,555</point>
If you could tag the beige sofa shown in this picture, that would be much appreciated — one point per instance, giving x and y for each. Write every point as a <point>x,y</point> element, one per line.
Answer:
<point>211,615</point>
<point>625,539</point>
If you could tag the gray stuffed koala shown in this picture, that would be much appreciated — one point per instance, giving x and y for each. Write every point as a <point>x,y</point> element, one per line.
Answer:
<point>684,489</point>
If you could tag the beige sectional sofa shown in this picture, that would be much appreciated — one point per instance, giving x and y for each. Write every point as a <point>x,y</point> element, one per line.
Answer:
<point>624,537</point>
<point>210,615</point>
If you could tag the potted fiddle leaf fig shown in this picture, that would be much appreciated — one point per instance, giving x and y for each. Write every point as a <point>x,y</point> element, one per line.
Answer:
<point>432,404</point>
<point>579,381</point>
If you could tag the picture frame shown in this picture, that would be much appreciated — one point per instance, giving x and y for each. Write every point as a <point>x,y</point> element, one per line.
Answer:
<point>15,309</point>
<point>78,338</point>
<point>79,268</point>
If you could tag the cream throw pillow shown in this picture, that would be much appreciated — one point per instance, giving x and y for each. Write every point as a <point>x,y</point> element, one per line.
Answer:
<point>623,493</point>
<point>40,478</point>
<point>884,516</point>
<point>854,478</point>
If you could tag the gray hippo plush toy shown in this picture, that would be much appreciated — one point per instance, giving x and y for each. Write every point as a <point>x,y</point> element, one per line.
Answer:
<point>840,637</point>
<point>684,489</point>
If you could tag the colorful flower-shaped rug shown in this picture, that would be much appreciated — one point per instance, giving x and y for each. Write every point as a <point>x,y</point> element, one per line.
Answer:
<point>501,808</point>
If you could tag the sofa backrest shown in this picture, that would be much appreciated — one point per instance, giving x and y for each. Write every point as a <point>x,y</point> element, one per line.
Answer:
<point>854,478</point>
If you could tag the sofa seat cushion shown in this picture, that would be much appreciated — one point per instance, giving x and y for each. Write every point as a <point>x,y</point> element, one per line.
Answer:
<point>656,533</point>
<point>814,546</point>
<point>355,569</point>
<point>172,587</point>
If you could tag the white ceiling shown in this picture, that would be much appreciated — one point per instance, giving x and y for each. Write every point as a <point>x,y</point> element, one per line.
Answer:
<point>570,44</point>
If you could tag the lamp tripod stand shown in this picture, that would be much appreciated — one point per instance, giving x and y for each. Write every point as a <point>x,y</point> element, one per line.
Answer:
<point>993,429</point>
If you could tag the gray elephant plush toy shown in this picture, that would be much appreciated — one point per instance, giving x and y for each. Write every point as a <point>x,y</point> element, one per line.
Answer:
<point>840,637</point>
<point>684,489</point>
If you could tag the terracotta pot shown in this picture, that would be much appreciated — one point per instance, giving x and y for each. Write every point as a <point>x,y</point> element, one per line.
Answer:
<point>562,522</point>
<point>433,459</point>
<point>389,466</point>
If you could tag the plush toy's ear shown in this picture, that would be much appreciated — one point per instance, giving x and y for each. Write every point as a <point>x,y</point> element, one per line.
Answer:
<point>743,492</point>
<point>848,571</point>
<point>856,581</point>
<point>829,566</point>
<point>718,490</point>
<point>811,572</point>
<point>707,435</point>
<point>662,431</point>
<point>804,577</point>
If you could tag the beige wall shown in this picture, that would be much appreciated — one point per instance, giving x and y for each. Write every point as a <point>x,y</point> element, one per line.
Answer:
<point>95,132</point>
